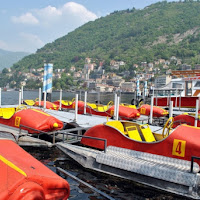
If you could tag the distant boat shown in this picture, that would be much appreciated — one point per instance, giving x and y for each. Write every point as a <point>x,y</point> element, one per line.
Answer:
<point>8,89</point>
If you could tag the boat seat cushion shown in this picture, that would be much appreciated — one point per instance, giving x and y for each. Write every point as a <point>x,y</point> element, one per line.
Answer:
<point>117,125</point>
<point>133,133</point>
<point>147,133</point>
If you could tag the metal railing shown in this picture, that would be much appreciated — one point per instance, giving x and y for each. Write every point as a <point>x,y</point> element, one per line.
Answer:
<point>192,162</point>
<point>82,136</point>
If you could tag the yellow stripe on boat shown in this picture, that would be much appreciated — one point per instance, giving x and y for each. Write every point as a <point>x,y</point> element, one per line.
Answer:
<point>41,112</point>
<point>7,162</point>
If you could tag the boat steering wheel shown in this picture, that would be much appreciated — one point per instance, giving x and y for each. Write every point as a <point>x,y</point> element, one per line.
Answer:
<point>167,127</point>
<point>21,107</point>
<point>110,103</point>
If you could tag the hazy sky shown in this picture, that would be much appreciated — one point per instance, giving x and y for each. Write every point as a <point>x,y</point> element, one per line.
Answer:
<point>27,25</point>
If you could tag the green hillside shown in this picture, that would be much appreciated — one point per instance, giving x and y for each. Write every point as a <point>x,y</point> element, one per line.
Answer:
<point>161,30</point>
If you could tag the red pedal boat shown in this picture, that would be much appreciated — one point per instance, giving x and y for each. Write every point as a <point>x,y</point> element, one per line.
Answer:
<point>145,109</point>
<point>125,112</point>
<point>25,178</point>
<point>185,119</point>
<point>32,118</point>
<point>182,142</point>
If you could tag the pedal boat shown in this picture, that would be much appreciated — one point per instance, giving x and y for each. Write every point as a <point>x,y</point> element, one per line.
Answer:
<point>33,119</point>
<point>145,109</point>
<point>49,105</point>
<point>24,177</point>
<point>186,118</point>
<point>182,142</point>
<point>159,158</point>
<point>125,112</point>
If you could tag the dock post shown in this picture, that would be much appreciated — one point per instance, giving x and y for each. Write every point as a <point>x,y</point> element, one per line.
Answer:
<point>40,96</point>
<point>60,104</point>
<point>117,108</point>
<point>151,111</point>
<point>76,108</point>
<point>0,97</point>
<point>85,102</point>
<point>22,94</point>
<point>45,99</point>
<point>20,97</point>
<point>157,98</point>
<point>171,109</point>
<point>180,101</point>
<point>197,114</point>
<point>176,98</point>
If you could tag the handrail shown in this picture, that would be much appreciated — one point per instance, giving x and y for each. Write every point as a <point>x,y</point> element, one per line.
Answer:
<point>39,131</point>
<point>82,136</point>
<point>192,162</point>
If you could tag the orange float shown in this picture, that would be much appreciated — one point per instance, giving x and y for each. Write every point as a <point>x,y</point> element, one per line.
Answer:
<point>33,118</point>
<point>157,111</point>
<point>25,178</point>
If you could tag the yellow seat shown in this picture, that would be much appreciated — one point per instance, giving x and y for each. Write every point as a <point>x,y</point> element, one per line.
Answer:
<point>29,102</point>
<point>7,113</point>
<point>133,133</point>
<point>100,108</point>
<point>117,125</point>
<point>92,105</point>
<point>146,131</point>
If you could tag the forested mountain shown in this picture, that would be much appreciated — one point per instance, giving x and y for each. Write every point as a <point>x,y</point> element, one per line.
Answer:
<point>161,30</point>
<point>8,58</point>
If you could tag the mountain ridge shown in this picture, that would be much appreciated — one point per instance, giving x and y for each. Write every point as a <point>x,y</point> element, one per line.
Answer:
<point>161,30</point>
<point>8,58</point>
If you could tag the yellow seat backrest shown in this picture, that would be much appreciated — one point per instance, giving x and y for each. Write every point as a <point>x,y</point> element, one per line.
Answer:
<point>133,133</point>
<point>100,108</point>
<point>29,102</point>
<point>66,102</point>
<point>7,113</point>
<point>92,105</point>
<point>117,125</point>
<point>146,131</point>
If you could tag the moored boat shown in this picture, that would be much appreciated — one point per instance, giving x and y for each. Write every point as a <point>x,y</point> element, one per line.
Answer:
<point>186,118</point>
<point>130,135</point>
<point>159,158</point>
<point>125,112</point>
<point>48,104</point>
<point>34,120</point>
<point>24,177</point>
<point>145,109</point>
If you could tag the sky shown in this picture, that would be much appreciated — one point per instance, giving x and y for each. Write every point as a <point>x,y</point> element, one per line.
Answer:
<point>27,25</point>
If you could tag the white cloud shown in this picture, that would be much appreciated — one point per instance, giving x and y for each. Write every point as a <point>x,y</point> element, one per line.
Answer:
<point>27,18</point>
<point>32,39</point>
<point>71,13</point>
<point>78,10</point>
<point>52,23</point>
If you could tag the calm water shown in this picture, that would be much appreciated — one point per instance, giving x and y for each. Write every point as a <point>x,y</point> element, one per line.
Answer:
<point>12,97</point>
<point>116,188</point>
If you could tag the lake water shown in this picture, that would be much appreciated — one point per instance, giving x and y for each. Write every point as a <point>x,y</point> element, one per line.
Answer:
<point>116,188</point>
<point>12,97</point>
